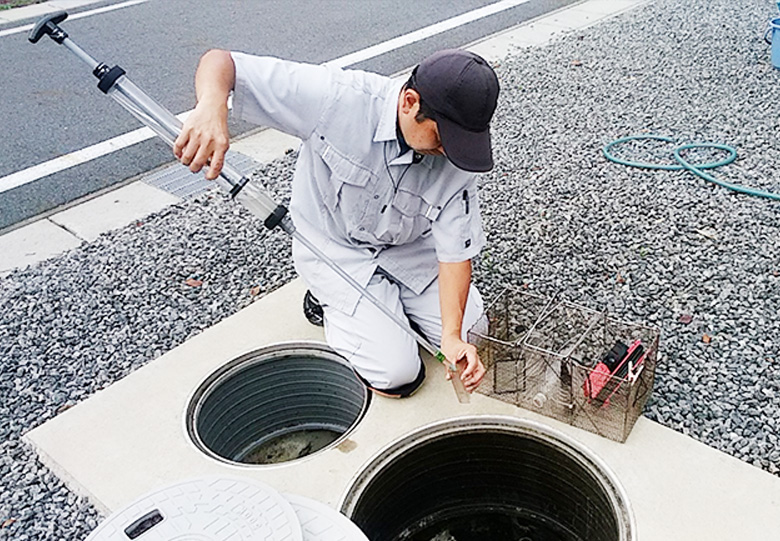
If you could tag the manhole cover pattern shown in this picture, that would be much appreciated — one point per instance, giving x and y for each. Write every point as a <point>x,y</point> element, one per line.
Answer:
<point>205,509</point>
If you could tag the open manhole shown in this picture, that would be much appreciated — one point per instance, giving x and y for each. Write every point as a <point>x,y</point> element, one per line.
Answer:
<point>276,404</point>
<point>488,478</point>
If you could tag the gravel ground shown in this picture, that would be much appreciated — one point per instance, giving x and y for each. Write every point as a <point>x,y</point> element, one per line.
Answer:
<point>649,246</point>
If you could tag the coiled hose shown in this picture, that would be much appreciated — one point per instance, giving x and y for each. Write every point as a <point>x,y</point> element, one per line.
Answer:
<point>683,164</point>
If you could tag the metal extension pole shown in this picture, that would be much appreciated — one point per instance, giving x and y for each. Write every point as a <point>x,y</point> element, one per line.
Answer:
<point>114,82</point>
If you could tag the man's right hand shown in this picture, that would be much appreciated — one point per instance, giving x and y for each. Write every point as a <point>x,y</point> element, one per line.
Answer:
<point>205,138</point>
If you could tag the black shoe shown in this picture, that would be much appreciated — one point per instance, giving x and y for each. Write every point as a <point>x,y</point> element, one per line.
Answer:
<point>312,309</point>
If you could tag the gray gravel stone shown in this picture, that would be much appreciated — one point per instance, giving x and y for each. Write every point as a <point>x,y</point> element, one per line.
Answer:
<point>558,217</point>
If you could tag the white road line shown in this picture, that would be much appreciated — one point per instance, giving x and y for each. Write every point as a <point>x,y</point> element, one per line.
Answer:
<point>73,159</point>
<point>103,148</point>
<point>81,15</point>
<point>423,33</point>
<point>66,161</point>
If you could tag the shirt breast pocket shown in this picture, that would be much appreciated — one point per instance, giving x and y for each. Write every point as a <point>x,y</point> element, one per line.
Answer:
<point>414,216</point>
<point>347,183</point>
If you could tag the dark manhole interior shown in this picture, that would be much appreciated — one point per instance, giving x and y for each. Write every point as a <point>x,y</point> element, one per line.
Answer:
<point>486,484</point>
<point>276,405</point>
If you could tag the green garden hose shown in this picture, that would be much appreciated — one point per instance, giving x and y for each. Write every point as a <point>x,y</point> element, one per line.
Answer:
<point>683,164</point>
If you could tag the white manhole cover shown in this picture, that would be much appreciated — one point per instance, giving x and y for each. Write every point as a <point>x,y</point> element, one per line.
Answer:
<point>205,509</point>
<point>322,523</point>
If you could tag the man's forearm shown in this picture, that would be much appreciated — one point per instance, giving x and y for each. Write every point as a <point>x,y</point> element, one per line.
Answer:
<point>454,283</point>
<point>215,77</point>
<point>204,137</point>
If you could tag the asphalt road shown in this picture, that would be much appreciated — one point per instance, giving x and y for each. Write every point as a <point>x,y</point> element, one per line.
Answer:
<point>51,105</point>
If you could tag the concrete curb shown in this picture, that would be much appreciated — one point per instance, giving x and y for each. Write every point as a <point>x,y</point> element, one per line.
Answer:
<point>36,10</point>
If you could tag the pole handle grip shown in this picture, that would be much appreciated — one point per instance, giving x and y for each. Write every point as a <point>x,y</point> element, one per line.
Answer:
<point>47,25</point>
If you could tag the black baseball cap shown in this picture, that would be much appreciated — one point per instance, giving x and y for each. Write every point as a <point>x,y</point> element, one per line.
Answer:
<point>462,91</point>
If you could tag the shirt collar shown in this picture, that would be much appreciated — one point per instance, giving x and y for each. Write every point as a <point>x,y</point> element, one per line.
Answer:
<point>385,130</point>
<point>388,122</point>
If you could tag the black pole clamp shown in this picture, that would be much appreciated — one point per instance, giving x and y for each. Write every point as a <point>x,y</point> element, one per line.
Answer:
<point>238,186</point>
<point>107,76</point>
<point>276,217</point>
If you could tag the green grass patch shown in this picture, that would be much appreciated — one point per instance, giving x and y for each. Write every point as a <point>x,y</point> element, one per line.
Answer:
<point>8,4</point>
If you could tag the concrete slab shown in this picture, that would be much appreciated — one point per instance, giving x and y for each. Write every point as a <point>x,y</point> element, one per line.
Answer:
<point>609,7</point>
<point>527,35</point>
<point>539,33</point>
<point>36,10</point>
<point>33,243</point>
<point>70,4</point>
<point>683,489</point>
<point>542,30</point>
<point>266,145</point>
<point>27,12</point>
<point>130,439</point>
<point>589,13</point>
<point>113,210</point>
<point>575,17</point>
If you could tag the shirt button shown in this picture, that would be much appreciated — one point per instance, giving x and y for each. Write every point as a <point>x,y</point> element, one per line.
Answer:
<point>376,197</point>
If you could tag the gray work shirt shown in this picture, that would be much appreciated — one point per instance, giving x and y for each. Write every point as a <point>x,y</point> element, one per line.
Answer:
<point>353,195</point>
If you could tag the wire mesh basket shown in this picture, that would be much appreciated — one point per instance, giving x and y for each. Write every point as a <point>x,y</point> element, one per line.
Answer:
<point>565,361</point>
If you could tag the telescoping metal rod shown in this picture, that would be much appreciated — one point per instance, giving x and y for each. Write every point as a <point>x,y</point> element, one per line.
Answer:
<point>114,82</point>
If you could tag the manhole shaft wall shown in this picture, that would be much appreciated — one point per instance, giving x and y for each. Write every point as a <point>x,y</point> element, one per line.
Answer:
<point>398,481</point>
<point>270,393</point>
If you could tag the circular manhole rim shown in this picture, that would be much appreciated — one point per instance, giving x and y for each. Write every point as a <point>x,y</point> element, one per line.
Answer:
<point>247,360</point>
<point>611,485</point>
